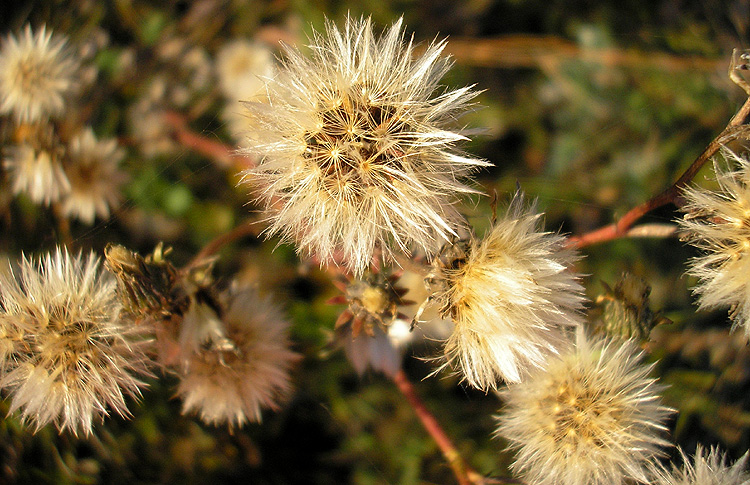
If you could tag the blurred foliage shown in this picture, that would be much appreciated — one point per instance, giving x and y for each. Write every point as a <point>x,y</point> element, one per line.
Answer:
<point>608,113</point>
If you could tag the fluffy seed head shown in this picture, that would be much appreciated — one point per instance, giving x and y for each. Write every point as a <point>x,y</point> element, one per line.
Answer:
<point>94,177</point>
<point>241,361</point>
<point>73,358</point>
<point>510,295</point>
<point>37,73</point>
<point>718,223</point>
<point>37,173</point>
<point>708,469</point>
<point>592,417</point>
<point>357,148</point>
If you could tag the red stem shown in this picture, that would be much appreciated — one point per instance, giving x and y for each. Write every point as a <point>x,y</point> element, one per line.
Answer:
<point>621,226</point>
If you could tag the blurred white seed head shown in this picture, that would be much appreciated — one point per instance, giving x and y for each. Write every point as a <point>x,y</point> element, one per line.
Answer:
<point>592,417</point>
<point>242,67</point>
<point>718,223</point>
<point>708,468</point>
<point>357,149</point>
<point>74,359</point>
<point>94,177</point>
<point>235,363</point>
<point>38,72</point>
<point>510,296</point>
<point>37,173</point>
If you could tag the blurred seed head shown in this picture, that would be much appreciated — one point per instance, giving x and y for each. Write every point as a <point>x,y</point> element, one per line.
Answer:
<point>708,468</point>
<point>242,361</point>
<point>38,72</point>
<point>94,177</point>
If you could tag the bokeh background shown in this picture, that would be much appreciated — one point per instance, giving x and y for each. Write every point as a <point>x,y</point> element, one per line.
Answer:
<point>589,106</point>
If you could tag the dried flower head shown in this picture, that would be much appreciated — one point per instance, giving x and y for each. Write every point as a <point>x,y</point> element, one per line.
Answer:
<point>74,358</point>
<point>363,329</point>
<point>357,150</point>
<point>94,177</point>
<point>510,295</point>
<point>241,67</point>
<point>592,417</point>
<point>708,469</point>
<point>37,173</point>
<point>38,72</point>
<point>718,223</point>
<point>237,359</point>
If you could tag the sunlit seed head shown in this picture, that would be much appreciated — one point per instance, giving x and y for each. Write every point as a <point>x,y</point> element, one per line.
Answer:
<point>510,296</point>
<point>236,363</point>
<point>38,72</point>
<point>76,359</point>
<point>358,152</point>
<point>717,223</point>
<point>592,417</point>
<point>94,177</point>
<point>708,468</point>
<point>38,173</point>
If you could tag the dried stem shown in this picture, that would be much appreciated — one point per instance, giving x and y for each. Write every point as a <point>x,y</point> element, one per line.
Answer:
<point>224,156</point>
<point>734,129</point>
<point>464,473</point>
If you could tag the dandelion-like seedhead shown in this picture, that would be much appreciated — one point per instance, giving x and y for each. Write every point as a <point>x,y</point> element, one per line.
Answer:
<point>94,177</point>
<point>510,295</point>
<point>38,72</point>
<point>592,417</point>
<point>707,469</point>
<point>37,173</point>
<point>73,357</point>
<point>718,223</point>
<point>240,359</point>
<point>357,150</point>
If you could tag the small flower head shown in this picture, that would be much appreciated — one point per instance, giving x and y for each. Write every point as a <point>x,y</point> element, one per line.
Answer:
<point>37,74</point>
<point>363,329</point>
<point>592,417</point>
<point>241,67</point>
<point>74,358</point>
<point>708,469</point>
<point>357,150</point>
<point>37,173</point>
<point>237,359</point>
<point>510,295</point>
<point>718,223</point>
<point>94,177</point>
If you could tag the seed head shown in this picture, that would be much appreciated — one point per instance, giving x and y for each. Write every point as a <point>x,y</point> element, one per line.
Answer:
<point>357,149</point>
<point>37,73</point>
<point>708,469</point>
<point>37,173</point>
<point>237,359</point>
<point>510,295</point>
<point>592,417</point>
<point>718,223</point>
<point>94,177</point>
<point>73,358</point>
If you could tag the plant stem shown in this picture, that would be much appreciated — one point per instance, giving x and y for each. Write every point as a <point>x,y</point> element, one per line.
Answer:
<point>734,129</point>
<point>224,156</point>
<point>464,474</point>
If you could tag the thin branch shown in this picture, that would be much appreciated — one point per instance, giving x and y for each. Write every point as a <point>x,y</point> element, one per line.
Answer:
<point>527,51</point>
<point>464,473</point>
<point>223,155</point>
<point>736,128</point>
